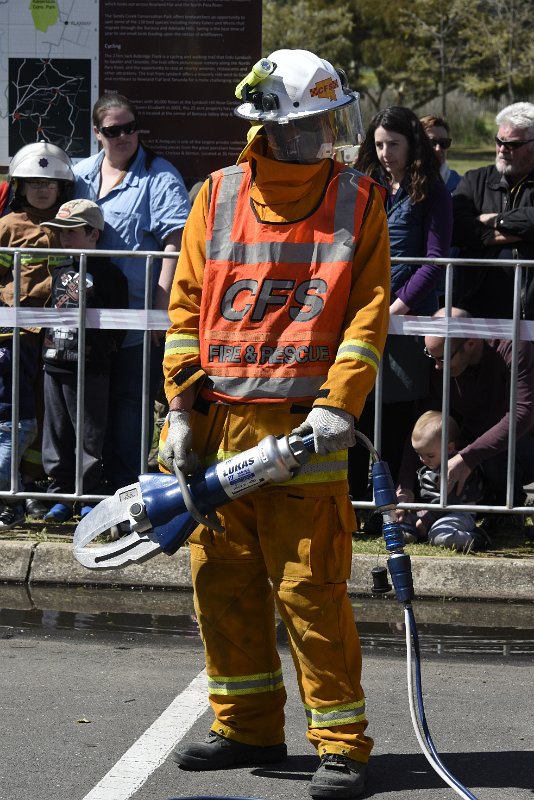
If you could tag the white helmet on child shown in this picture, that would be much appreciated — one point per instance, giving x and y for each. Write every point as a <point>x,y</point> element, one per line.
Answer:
<point>41,160</point>
<point>305,106</point>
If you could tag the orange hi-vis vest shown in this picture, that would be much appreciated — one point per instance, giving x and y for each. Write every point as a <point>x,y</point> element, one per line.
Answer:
<point>275,294</point>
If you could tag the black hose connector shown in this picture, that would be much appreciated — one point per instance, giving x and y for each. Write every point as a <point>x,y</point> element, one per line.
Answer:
<point>401,574</point>
<point>381,585</point>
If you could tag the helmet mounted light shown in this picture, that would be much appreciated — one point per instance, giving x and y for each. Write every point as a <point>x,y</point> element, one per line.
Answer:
<point>305,106</point>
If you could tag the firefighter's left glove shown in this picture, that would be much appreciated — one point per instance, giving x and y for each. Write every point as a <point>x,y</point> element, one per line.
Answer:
<point>332,428</point>
<point>176,450</point>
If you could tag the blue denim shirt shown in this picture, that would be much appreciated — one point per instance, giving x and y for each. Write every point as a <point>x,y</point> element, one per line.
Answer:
<point>139,213</point>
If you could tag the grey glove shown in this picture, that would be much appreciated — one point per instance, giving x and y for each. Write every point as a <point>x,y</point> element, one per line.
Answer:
<point>332,428</point>
<point>176,450</point>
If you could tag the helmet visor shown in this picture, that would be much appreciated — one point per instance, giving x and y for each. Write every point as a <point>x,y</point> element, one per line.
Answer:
<point>312,138</point>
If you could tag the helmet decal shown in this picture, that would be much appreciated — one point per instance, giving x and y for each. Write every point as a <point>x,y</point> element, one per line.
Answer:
<point>43,162</point>
<point>325,88</point>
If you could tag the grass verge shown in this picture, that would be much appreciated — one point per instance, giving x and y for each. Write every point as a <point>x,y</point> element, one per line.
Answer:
<point>505,544</point>
<point>462,158</point>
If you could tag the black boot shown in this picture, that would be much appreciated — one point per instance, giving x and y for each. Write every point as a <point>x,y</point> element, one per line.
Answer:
<point>338,776</point>
<point>218,752</point>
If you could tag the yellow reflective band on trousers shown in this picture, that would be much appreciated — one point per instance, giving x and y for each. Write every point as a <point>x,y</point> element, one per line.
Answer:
<point>246,684</point>
<point>338,715</point>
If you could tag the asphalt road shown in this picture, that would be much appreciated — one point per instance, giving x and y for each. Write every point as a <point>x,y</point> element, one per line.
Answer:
<point>89,713</point>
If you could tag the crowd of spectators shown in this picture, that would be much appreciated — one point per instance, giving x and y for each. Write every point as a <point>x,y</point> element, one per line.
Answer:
<point>128,198</point>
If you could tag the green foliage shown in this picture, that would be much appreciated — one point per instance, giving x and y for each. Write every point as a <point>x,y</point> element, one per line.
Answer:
<point>414,52</point>
<point>324,28</point>
<point>500,50</point>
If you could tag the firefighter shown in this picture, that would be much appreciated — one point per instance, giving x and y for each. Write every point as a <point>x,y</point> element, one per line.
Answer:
<point>279,313</point>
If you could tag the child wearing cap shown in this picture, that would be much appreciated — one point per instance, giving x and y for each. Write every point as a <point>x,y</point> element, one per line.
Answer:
<point>80,223</point>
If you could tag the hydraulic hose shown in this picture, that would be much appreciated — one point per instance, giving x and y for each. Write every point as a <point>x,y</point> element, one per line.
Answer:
<point>400,570</point>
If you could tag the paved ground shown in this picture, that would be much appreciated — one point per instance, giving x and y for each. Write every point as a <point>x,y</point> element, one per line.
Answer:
<point>93,715</point>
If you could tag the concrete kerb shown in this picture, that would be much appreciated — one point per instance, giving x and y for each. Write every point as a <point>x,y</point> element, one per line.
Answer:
<point>51,563</point>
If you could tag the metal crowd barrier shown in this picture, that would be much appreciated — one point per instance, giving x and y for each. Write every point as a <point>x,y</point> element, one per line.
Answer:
<point>148,319</point>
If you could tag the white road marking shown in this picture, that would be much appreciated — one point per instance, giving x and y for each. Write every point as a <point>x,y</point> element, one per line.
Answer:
<point>154,745</point>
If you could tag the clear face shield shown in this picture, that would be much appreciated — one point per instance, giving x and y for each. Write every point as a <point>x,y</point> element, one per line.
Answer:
<point>330,134</point>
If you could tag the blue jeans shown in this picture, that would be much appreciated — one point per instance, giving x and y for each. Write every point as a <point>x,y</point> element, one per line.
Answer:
<point>27,433</point>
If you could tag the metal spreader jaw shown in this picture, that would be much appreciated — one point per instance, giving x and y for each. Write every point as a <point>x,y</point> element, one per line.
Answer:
<point>162,511</point>
<point>150,532</point>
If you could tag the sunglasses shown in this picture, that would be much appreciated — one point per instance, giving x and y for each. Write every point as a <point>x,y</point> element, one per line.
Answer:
<point>41,183</point>
<point>441,359</point>
<point>114,131</point>
<point>443,143</point>
<point>512,144</point>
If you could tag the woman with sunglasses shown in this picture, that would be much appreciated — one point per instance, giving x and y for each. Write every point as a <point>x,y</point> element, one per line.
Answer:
<point>397,153</point>
<point>145,205</point>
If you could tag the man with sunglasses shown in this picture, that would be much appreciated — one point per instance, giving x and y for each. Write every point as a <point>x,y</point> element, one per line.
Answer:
<point>494,219</point>
<point>481,374</point>
<point>437,130</point>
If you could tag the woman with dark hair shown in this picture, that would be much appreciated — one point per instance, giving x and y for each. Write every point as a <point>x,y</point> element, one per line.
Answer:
<point>145,205</point>
<point>397,153</point>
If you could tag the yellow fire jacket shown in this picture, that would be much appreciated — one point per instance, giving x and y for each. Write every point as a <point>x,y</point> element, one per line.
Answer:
<point>282,193</point>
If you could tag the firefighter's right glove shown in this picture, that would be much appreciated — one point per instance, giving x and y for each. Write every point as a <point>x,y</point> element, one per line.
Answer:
<point>176,450</point>
<point>332,428</point>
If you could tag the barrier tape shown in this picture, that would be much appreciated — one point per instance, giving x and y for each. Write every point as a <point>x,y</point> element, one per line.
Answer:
<point>115,318</point>
<point>155,320</point>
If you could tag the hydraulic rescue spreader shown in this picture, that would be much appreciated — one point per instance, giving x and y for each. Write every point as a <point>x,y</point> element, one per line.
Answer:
<point>162,511</point>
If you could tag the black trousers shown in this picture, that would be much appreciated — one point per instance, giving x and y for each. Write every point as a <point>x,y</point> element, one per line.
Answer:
<point>59,431</point>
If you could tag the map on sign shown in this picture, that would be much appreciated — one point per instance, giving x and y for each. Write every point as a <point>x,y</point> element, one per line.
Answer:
<point>48,68</point>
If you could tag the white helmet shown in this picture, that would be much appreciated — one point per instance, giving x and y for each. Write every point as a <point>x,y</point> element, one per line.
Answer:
<point>305,105</point>
<point>41,160</point>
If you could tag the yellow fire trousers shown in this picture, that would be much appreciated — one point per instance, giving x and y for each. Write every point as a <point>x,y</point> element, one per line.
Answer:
<point>286,544</point>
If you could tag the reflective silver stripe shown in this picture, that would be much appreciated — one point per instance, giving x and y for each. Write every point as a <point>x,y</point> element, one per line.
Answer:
<point>189,344</point>
<point>288,252</point>
<point>339,715</point>
<point>266,387</point>
<point>246,684</point>
<point>222,248</point>
<point>326,465</point>
<point>225,209</point>
<point>362,351</point>
<point>347,196</point>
